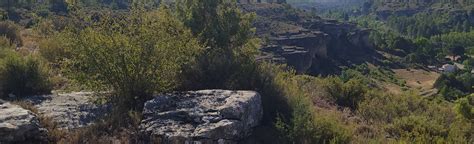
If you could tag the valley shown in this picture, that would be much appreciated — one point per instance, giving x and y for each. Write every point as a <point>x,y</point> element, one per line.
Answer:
<point>236,72</point>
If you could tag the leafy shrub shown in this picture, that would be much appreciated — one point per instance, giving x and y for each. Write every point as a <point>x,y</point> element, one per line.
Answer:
<point>297,121</point>
<point>347,94</point>
<point>455,85</point>
<point>11,31</point>
<point>410,118</point>
<point>307,126</point>
<point>417,129</point>
<point>465,107</point>
<point>136,56</point>
<point>228,34</point>
<point>23,76</point>
<point>53,49</point>
<point>386,107</point>
<point>5,44</point>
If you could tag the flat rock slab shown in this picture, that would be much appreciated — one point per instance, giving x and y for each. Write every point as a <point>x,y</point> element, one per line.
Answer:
<point>69,111</point>
<point>18,125</point>
<point>206,116</point>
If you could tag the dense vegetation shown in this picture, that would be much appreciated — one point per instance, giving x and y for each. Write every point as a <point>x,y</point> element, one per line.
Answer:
<point>134,50</point>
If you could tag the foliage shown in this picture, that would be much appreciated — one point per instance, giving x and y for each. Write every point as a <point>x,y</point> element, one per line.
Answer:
<point>469,64</point>
<point>228,34</point>
<point>305,124</point>
<point>229,63</point>
<point>452,39</point>
<point>416,129</point>
<point>5,45</point>
<point>411,118</point>
<point>465,107</point>
<point>137,55</point>
<point>54,49</point>
<point>10,31</point>
<point>346,94</point>
<point>58,6</point>
<point>429,24</point>
<point>455,85</point>
<point>23,76</point>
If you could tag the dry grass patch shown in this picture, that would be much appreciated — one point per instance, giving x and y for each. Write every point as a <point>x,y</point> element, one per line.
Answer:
<point>417,78</point>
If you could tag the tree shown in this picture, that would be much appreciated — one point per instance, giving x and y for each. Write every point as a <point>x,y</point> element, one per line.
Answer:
<point>457,51</point>
<point>229,37</point>
<point>135,56</point>
<point>466,26</point>
<point>8,4</point>
<point>58,6</point>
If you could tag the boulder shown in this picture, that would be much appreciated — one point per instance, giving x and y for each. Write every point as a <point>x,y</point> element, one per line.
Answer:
<point>71,110</point>
<point>18,125</point>
<point>206,116</point>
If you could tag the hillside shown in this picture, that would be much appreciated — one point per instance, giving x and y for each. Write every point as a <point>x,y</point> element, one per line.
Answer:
<point>236,72</point>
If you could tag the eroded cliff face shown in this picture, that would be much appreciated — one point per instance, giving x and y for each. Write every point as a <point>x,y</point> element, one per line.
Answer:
<point>298,48</point>
<point>307,43</point>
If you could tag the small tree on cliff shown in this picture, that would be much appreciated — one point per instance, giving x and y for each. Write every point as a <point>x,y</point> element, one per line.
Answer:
<point>135,55</point>
<point>229,36</point>
<point>457,51</point>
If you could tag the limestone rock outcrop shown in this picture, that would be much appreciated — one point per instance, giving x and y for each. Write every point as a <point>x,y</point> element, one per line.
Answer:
<point>206,116</point>
<point>69,111</point>
<point>18,125</point>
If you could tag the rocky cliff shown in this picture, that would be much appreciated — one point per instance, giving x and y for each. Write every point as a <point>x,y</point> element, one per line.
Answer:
<point>306,42</point>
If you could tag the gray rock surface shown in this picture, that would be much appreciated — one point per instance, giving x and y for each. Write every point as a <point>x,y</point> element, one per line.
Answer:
<point>18,125</point>
<point>69,111</point>
<point>206,116</point>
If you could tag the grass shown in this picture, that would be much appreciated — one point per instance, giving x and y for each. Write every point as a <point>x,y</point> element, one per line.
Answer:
<point>416,78</point>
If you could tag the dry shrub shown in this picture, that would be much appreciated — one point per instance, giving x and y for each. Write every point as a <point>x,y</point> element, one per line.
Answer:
<point>23,76</point>
<point>11,31</point>
<point>53,50</point>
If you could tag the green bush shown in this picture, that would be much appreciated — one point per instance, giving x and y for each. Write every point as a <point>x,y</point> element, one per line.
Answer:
<point>347,94</point>
<point>11,31</point>
<point>228,34</point>
<point>386,107</point>
<point>307,126</point>
<point>417,129</point>
<point>53,49</point>
<point>410,118</point>
<point>23,76</point>
<point>137,56</point>
<point>5,44</point>
<point>455,85</point>
<point>465,107</point>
